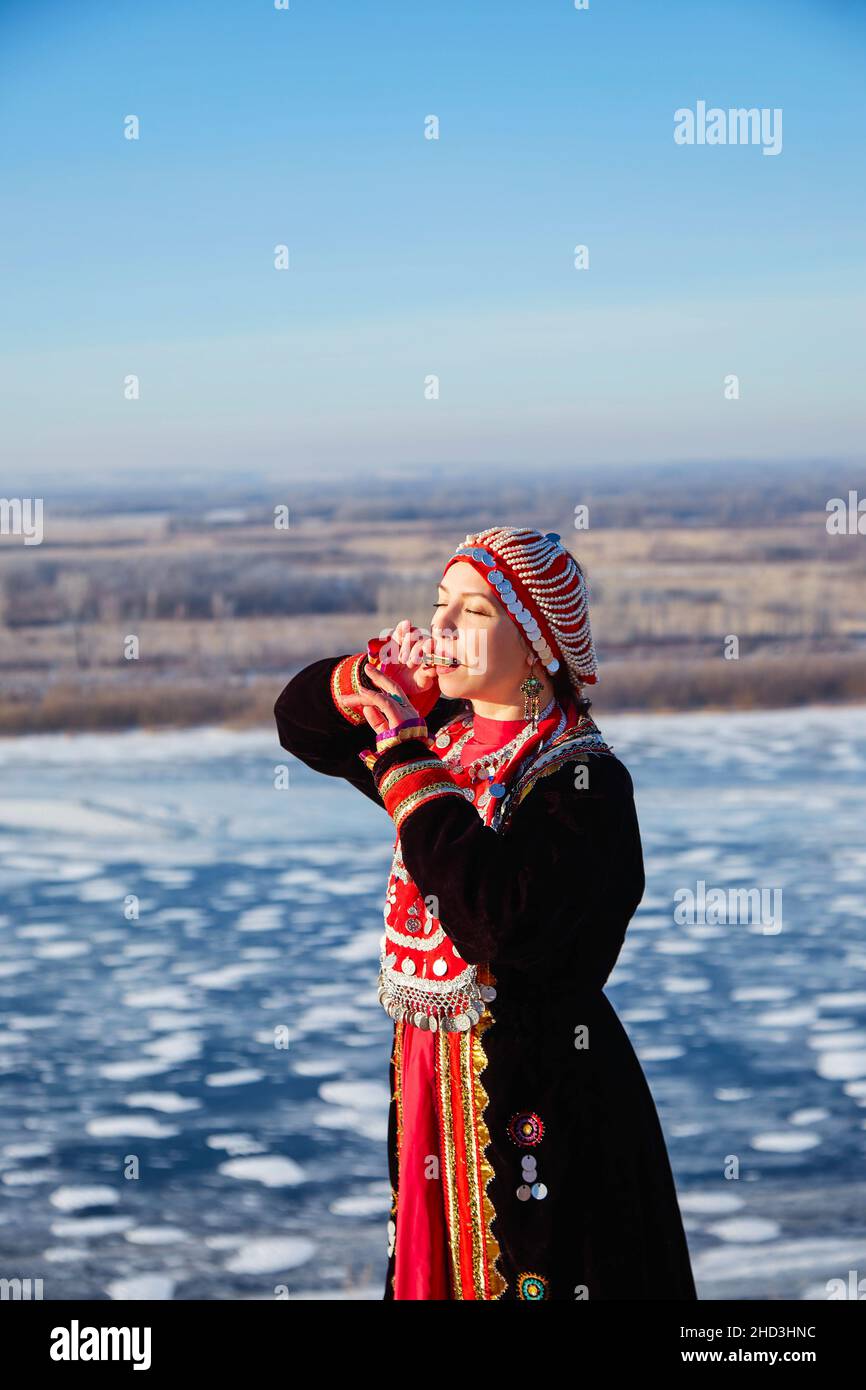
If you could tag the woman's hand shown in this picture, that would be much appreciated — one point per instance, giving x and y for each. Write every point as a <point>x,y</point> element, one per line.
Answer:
<point>403,650</point>
<point>385,707</point>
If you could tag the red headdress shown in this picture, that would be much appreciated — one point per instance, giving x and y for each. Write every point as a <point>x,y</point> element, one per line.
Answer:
<point>543,588</point>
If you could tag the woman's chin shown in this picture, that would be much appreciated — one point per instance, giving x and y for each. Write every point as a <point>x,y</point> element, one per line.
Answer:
<point>457,683</point>
<point>453,681</point>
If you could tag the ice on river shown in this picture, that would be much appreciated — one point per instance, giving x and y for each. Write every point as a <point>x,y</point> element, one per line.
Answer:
<point>194,1066</point>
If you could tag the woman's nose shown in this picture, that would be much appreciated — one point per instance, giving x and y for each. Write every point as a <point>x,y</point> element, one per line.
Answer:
<point>442,625</point>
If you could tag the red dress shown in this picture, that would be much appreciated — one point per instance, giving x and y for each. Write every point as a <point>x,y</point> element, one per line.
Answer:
<point>421,1249</point>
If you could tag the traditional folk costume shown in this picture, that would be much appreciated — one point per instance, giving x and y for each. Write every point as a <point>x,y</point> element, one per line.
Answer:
<point>525,1152</point>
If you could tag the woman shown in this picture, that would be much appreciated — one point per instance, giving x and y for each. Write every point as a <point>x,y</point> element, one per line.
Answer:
<point>525,1152</point>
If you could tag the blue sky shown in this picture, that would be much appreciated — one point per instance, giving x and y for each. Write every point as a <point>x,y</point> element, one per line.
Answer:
<point>411,257</point>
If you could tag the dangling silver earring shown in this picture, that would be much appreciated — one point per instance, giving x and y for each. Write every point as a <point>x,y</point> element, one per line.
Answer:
<point>531,688</point>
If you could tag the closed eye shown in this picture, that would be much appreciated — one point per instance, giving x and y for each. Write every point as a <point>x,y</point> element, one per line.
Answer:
<point>479,611</point>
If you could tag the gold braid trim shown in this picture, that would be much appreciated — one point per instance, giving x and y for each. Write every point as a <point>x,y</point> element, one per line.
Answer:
<point>403,770</point>
<point>498,1284</point>
<point>430,779</point>
<point>398,1083</point>
<point>397,1097</point>
<point>470,1140</point>
<point>449,1180</point>
<point>416,799</point>
<point>346,680</point>
<point>487,1278</point>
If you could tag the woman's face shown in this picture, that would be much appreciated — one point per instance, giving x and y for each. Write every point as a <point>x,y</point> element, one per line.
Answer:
<point>470,623</point>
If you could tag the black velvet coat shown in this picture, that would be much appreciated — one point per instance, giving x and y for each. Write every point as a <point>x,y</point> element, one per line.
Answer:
<point>543,904</point>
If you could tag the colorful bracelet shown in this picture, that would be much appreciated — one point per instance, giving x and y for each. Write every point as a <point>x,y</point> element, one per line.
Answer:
<point>413,727</point>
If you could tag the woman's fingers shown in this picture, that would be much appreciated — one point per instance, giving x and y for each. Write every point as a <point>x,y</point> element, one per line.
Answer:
<point>419,646</point>
<point>400,660</point>
<point>389,697</point>
<point>370,697</point>
<point>373,708</point>
<point>387,684</point>
<point>392,649</point>
<point>406,639</point>
<point>385,706</point>
<point>423,676</point>
<point>402,639</point>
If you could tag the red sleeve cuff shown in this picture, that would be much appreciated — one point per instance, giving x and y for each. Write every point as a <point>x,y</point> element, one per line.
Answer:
<point>346,680</point>
<point>408,776</point>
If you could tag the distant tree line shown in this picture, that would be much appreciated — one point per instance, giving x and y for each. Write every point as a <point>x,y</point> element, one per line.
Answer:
<point>46,591</point>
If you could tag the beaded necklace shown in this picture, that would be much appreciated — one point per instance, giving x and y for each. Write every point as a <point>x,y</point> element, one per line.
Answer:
<point>487,764</point>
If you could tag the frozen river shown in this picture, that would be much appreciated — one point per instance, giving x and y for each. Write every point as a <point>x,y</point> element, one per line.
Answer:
<point>194,1098</point>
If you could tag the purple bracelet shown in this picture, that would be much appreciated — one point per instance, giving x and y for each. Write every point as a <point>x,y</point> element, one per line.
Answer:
<point>413,727</point>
